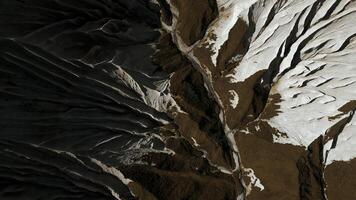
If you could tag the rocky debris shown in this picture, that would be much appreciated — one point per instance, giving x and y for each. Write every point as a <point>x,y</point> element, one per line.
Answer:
<point>177,99</point>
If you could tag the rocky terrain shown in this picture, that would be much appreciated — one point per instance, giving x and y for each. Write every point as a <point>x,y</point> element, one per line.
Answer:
<point>177,99</point>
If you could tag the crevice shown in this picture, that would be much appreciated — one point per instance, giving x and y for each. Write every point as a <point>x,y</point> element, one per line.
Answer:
<point>166,12</point>
<point>293,37</point>
<point>346,42</point>
<point>263,86</point>
<point>187,88</point>
<point>331,10</point>
<point>311,170</point>
<point>311,15</point>
<point>334,132</point>
<point>272,12</point>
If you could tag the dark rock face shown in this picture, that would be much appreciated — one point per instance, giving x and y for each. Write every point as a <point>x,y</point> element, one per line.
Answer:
<point>177,99</point>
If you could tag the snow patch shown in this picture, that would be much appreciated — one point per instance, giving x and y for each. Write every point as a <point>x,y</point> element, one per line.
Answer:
<point>254,181</point>
<point>235,98</point>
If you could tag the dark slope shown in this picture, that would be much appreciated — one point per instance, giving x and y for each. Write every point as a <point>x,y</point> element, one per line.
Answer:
<point>76,117</point>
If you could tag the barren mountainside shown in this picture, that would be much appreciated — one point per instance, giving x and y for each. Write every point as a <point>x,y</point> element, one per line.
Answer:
<point>177,99</point>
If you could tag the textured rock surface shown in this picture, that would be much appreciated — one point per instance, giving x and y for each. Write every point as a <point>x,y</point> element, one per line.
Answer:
<point>178,99</point>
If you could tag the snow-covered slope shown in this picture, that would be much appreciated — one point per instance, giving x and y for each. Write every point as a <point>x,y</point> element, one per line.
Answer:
<point>283,73</point>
